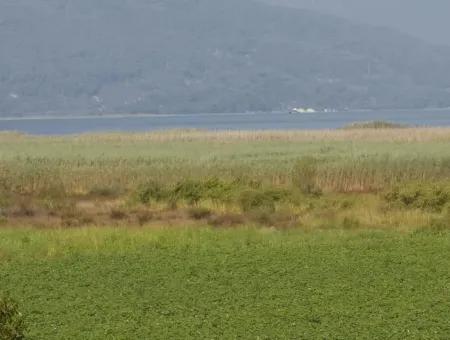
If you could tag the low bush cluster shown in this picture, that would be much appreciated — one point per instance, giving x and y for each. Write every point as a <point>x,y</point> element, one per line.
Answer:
<point>248,196</point>
<point>151,192</point>
<point>257,200</point>
<point>190,191</point>
<point>431,197</point>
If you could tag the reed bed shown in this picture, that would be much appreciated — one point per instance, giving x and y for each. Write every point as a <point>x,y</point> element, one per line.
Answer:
<point>44,175</point>
<point>354,161</point>
<point>293,175</point>
<point>396,134</point>
<point>363,134</point>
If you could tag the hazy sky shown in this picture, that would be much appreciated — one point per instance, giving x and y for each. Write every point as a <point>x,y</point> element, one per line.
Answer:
<point>427,19</point>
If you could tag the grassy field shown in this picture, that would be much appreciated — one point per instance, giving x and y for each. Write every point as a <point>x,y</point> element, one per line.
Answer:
<point>341,234</point>
<point>228,284</point>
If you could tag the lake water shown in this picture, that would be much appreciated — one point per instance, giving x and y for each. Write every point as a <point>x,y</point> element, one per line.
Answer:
<point>244,121</point>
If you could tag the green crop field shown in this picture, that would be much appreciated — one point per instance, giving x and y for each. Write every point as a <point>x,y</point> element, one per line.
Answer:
<point>340,234</point>
<point>229,284</point>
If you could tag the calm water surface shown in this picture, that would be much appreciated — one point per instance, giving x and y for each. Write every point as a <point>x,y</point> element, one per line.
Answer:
<point>244,121</point>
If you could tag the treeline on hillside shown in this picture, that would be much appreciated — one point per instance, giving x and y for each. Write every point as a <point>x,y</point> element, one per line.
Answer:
<point>206,56</point>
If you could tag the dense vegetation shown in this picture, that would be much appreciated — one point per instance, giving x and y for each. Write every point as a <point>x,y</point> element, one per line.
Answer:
<point>197,234</point>
<point>356,178</point>
<point>210,284</point>
<point>205,56</point>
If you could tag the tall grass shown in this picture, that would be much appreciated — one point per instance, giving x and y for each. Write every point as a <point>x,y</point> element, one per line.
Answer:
<point>282,173</point>
<point>370,131</point>
<point>52,176</point>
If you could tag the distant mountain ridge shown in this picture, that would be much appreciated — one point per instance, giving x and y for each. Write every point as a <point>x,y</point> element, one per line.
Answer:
<point>177,56</point>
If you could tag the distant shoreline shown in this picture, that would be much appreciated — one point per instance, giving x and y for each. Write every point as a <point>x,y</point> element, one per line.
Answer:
<point>31,116</point>
<point>129,115</point>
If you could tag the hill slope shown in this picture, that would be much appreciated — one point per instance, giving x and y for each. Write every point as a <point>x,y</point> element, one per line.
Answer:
<point>79,56</point>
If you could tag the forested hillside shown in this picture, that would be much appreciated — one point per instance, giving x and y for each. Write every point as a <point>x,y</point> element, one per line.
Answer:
<point>167,56</point>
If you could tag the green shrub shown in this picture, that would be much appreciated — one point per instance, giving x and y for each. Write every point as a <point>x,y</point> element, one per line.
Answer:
<point>252,200</point>
<point>278,195</point>
<point>12,325</point>
<point>189,191</point>
<point>431,197</point>
<point>345,204</point>
<point>218,190</point>
<point>192,191</point>
<point>151,192</point>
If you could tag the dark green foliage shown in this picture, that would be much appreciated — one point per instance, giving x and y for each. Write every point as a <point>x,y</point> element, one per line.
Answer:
<point>218,190</point>
<point>151,191</point>
<point>345,204</point>
<point>254,200</point>
<point>431,197</point>
<point>189,191</point>
<point>192,191</point>
<point>12,324</point>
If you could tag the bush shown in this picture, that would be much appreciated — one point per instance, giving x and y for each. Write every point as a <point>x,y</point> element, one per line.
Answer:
<point>218,190</point>
<point>189,191</point>
<point>432,197</point>
<point>12,325</point>
<point>151,191</point>
<point>213,189</point>
<point>253,200</point>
